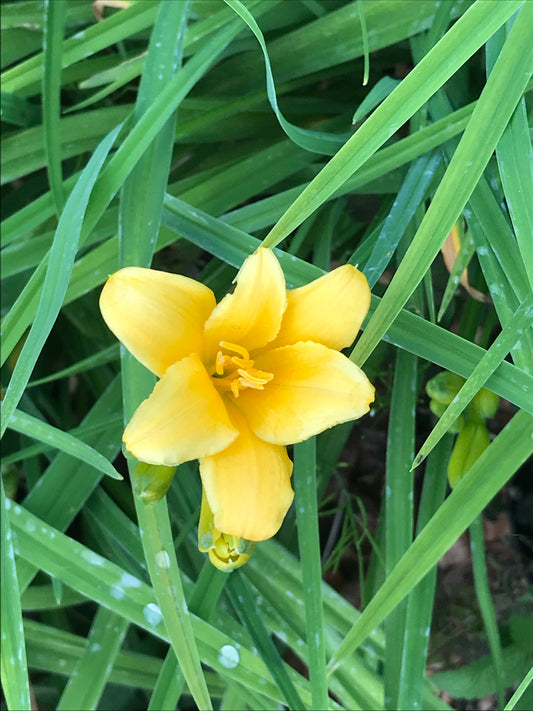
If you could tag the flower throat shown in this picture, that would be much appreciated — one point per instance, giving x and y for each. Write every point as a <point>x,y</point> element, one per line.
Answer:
<point>236,372</point>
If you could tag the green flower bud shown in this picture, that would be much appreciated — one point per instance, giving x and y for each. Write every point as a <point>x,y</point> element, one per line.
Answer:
<point>151,481</point>
<point>226,552</point>
<point>470,444</point>
<point>484,404</point>
<point>438,409</point>
<point>444,387</point>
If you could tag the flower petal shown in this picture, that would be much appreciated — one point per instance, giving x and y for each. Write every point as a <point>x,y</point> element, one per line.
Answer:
<point>184,418</point>
<point>328,310</point>
<point>313,388</point>
<point>251,315</point>
<point>248,484</point>
<point>158,316</point>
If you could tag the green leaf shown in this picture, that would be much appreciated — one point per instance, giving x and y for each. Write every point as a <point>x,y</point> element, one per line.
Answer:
<point>315,141</point>
<point>37,429</point>
<point>57,276</point>
<point>13,652</point>
<point>54,25</point>
<point>459,43</point>
<point>309,545</point>
<point>245,605</point>
<point>91,673</point>
<point>469,160</point>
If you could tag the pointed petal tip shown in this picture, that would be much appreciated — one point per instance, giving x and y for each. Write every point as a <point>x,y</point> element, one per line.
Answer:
<point>251,315</point>
<point>329,310</point>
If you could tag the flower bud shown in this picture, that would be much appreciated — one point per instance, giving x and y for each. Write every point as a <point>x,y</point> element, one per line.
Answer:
<point>151,481</point>
<point>470,444</point>
<point>226,552</point>
<point>484,404</point>
<point>444,387</point>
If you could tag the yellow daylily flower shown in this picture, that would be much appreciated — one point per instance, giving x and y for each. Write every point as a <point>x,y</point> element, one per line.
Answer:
<point>238,381</point>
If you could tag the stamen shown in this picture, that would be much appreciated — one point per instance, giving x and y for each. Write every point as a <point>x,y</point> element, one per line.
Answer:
<point>255,379</point>
<point>235,372</point>
<point>220,363</point>
<point>235,348</point>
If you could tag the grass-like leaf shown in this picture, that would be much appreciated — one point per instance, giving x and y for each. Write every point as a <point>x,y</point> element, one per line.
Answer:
<point>13,654</point>
<point>57,277</point>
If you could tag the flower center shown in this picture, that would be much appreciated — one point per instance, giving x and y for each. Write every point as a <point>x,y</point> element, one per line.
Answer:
<point>235,372</point>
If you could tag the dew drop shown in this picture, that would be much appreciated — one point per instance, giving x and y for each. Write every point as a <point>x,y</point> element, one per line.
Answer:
<point>228,656</point>
<point>130,581</point>
<point>117,592</point>
<point>162,559</point>
<point>152,614</point>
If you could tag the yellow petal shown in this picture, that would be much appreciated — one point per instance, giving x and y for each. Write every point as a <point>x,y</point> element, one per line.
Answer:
<point>248,484</point>
<point>158,316</point>
<point>313,388</point>
<point>251,315</point>
<point>329,310</point>
<point>184,418</point>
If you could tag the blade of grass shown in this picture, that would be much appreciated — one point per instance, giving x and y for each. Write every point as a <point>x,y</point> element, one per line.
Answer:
<point>245,606</point>
<point>57,277</point>
<point>37,429</point>
<point>305,487</point>
<point>481,583</point>
<point>399,507</point>
<point>498,100</point>
<point>318,142</point>
<point>483,480</point>
<point>88,679</point>
<point>54,26</point>
<point>18,111</point>
<point>139,219</point>
<point>460,42</point>
<point>107,355</point>
<point>412,192</point>
<point>140,209</point>
<point>93,576</point>
<point>364,37</point>
<point>156,537</point>
<point>524,685</point>
<point>133,19</point>
<point>171,682</point>
<point>13,651</point>
<point>515,157</point>
<point>420,600</point>
<point>66,483</point>
<point>25,152</point>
